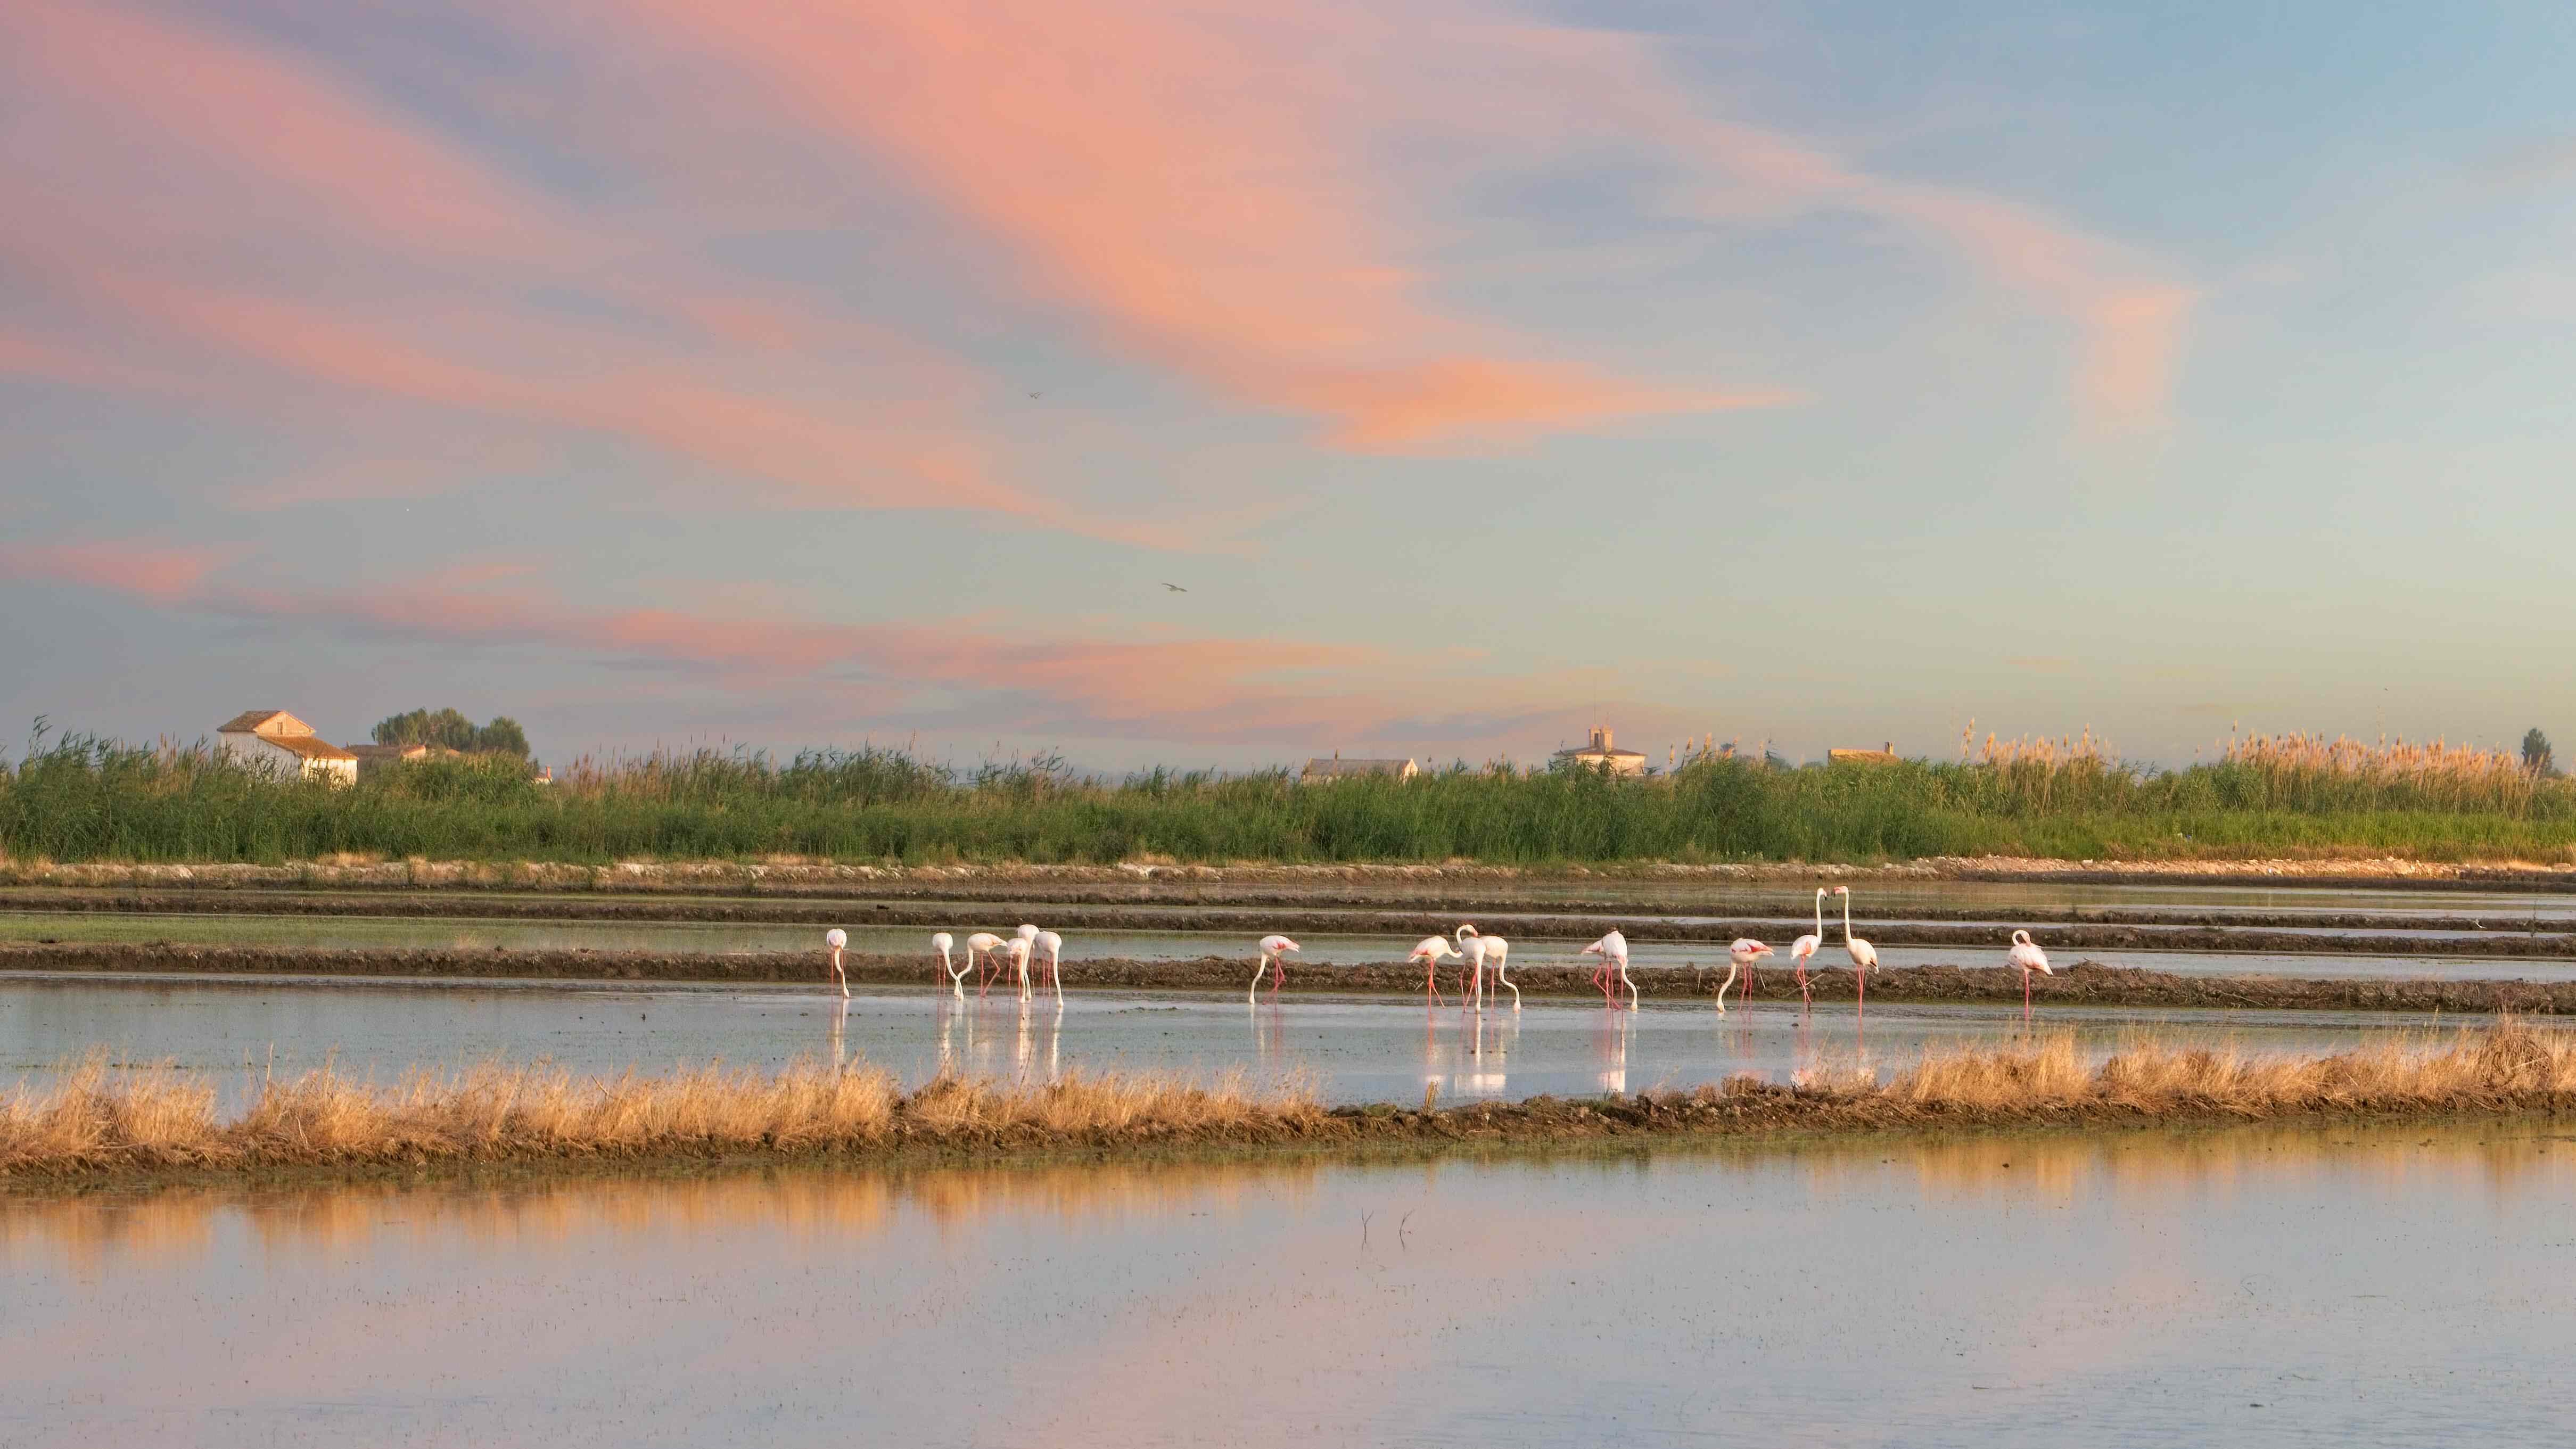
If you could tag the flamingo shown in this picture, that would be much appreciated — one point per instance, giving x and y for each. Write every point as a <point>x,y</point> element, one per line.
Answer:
<point>1482,948</point>
<point>2026,954</point>
<point>1803,948</point>
<point>1613,951</point>
<point>1740,956</point>
<point>1017,948</point>
<point>943,943</point>
<point>836,938</point>
<point>1272,948</point>
<point>987,943</point>
<point>1864,956</point>
<point>1053,945</point>
<point>1428,951</point>
<point>1478,947</point>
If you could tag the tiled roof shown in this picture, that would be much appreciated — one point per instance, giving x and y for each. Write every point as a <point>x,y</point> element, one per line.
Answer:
<point>249,721</point>
<point>1339,766</point>
<point>311,747</point>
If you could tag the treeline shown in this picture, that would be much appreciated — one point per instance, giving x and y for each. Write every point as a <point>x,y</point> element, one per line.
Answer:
<point>85,798</point>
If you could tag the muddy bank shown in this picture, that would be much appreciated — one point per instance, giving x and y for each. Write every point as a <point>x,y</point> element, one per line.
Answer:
<point>101,1128</point>
<point>790,877</point>
<point>2485,936</point>
<point>2095,926</point>
<point>2084,983</point>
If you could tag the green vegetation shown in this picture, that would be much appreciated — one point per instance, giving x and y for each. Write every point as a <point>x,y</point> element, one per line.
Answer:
<point>83,798</point>
<point>450,729</point>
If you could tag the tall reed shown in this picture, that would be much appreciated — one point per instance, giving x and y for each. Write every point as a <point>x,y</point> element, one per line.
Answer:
<point>84,799</point>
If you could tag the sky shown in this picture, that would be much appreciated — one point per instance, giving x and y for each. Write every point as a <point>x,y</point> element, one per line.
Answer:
<point>659,372</point>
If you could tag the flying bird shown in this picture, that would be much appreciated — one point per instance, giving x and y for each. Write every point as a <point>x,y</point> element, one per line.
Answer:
<point>1176,588</point>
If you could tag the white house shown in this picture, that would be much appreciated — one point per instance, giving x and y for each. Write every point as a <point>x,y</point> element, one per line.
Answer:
<point>273,734</point>
<point>1600,754</point>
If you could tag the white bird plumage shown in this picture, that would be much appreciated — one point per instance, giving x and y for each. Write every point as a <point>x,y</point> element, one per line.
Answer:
<point>943,943</point>
<point>1740,956</point>
<point>1481,948</point>
<point>1864,956</point>
<point>836,939</point>
<point>1272,949</point>
<point>1804,948</point>
<point>1429,951</point>
<point>2026,955</point>
<point>1613,951</point>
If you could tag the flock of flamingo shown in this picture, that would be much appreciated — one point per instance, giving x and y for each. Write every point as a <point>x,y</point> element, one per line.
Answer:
<point>1475,948</point>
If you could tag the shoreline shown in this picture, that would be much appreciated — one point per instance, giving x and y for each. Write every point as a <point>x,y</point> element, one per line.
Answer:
<point>787,876</point>
<point>2112,927</point>
<point>2079,983</point>
<point>100,1130</point>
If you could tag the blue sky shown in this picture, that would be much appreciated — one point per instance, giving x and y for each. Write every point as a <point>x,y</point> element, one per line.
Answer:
<point>1822,376</point>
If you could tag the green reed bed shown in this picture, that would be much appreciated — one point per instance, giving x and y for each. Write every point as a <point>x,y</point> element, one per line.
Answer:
<point>87,799</point>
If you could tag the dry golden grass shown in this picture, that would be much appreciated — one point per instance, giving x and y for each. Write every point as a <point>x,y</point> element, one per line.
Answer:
<point>95,1119</point>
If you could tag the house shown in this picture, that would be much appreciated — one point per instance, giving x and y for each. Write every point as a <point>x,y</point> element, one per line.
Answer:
<point>1338,768</point>
<point>275,735</point>
<point>1883,755</point>
<point>1600,754</point>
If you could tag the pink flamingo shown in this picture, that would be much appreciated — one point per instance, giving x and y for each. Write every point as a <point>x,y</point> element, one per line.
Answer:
<point>1273,948</point>
<point>943,943</point>
<point>836,938</point>
<point>987,943</point>
<point>1053,945</point>
<point>1481,948</point>
<point>1613,951</point>
<point>1740,956</point>
<point>1017,948</point>
<point>1804,948</point>
<point>1864,956</point>
<point>2026,954</point>
<point>1429,951</point>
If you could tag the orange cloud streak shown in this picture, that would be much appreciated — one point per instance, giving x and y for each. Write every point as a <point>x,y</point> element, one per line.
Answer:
<point>1156,168</point>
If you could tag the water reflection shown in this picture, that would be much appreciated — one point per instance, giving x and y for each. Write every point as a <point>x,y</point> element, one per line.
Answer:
<point>2385,1285</point>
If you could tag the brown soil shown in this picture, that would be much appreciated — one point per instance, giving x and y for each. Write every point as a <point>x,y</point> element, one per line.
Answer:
<point>2083,983</point>
<point>2090,926</point>
<point>798,877</point>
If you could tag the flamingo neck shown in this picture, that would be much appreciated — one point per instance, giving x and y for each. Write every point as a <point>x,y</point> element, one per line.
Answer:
<point>1820,913</point>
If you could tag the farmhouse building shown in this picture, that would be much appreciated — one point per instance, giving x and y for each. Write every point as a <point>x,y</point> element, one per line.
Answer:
<point>1600,754</point>
<point>289,743</point>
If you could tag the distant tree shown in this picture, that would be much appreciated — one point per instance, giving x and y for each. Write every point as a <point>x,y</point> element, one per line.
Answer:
<point>2535,752</point>
<point>450,729</point>
<point>502,737</point>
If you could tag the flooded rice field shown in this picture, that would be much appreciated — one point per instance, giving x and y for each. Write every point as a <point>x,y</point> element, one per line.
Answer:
<point>1350,1050</point>
<point>2379,1286</point>
<point>1322,949</point>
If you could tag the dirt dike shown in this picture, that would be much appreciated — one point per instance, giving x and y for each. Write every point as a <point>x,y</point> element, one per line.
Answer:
<point>2085,983</point>
<point>1398,925</point>
<point>1305,913</point>
<point>789,876</point>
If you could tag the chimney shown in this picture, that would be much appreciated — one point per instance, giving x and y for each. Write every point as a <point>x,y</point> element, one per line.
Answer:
<point>1601,738</point>
<point>1888,748</point>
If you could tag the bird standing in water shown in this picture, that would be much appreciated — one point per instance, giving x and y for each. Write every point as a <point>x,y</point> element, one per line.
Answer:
<point>2026,954</point>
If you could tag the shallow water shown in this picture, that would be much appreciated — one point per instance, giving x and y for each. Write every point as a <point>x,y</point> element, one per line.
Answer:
<point>1354,1049</point>
<point>1320,951</point>
<point>2259,1286</point>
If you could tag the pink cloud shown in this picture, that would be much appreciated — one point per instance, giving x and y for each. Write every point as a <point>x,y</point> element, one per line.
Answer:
<point>1181,687</point>
<point>1181,181</point>
<point>162,573</point>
